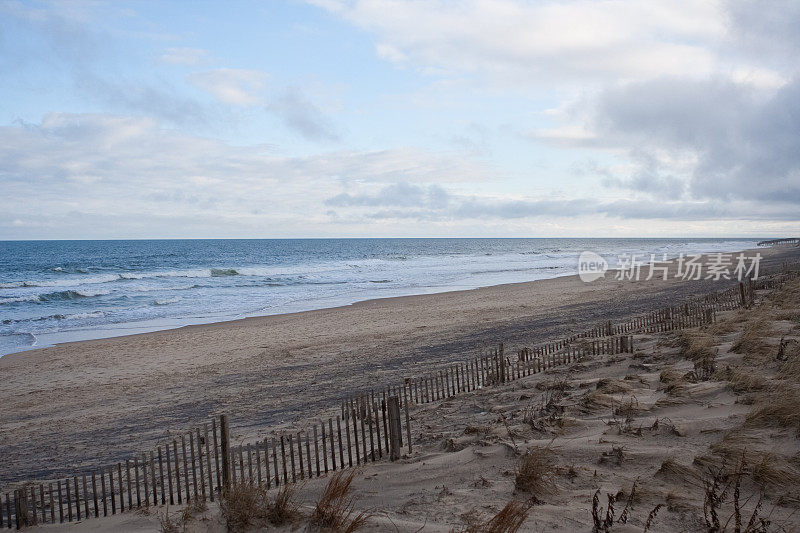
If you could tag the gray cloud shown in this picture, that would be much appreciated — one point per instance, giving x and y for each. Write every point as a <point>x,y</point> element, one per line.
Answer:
<point>161,102</point>
<point>745,143</point>
<point>765,31</point>
<point>302,116</point>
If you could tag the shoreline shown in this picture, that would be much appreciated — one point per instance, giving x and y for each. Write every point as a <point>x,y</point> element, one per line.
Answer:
<point>215,322</point>
<point>124,329</point>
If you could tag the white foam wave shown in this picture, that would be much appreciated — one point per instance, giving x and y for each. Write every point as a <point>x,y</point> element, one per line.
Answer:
<point>83,316</point>
<point>15,299</point>
<point>166,301</point>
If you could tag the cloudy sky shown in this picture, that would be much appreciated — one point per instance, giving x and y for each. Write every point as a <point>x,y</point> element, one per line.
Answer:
<point>384,118</point>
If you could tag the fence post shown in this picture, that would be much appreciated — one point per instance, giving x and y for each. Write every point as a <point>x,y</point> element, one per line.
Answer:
<point>394,427</point>
<point>741,294</point>
<point>21,508</point>
<point>502,366</point>
<point>225,453</point>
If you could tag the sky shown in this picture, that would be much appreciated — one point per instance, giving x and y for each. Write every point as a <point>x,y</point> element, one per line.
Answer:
<point>388,118</point>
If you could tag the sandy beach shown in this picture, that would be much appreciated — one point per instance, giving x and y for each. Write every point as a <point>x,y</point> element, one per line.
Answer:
<point>79,405</point>
<point>85,403</point>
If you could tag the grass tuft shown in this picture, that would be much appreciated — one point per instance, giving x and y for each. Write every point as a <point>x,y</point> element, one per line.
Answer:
<point>751,342</point>
<point>508,520</point>
<point>334,509</point>
<point>777,408</point>
<point>699,348</point>
<point>246,506</point>
<point>742,380</point>
<point>612,386</point>
<point>536,471</point>
<point>673,471</point>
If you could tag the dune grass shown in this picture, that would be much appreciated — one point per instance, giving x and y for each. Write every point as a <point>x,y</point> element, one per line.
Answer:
<point>536,471</point>
<point>508,520</point>
<point>246,506</point>
<point>334,510</point>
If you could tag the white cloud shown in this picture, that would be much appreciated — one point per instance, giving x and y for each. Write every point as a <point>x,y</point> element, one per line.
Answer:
<point>546,42</point>
<point>240,87</point>
<point>105,165</point>
<point>102,175</point>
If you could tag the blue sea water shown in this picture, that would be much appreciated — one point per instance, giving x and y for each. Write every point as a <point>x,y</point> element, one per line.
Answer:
<point>56,291</point>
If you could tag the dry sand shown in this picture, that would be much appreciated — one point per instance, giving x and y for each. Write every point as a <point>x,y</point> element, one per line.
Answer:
<point>85,404</point>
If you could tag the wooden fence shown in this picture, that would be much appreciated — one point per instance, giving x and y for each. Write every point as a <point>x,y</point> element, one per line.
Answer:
<point>200,463</point>
<point>370,427</point>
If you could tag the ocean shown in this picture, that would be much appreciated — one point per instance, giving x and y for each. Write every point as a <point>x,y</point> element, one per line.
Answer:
<point>58,291</point>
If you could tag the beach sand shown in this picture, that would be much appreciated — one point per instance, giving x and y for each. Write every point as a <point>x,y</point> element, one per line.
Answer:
<point>79,405</point>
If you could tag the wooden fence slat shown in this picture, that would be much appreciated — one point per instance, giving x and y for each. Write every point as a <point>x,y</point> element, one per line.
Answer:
<point>185,468</point>
<point>94,497</point>
<point>363,432</point>
<point>408,422</point>
<point>376,413</point>
<point>69,501</point>
<point>332,438</point>
<point>316,447</point>
<point>194,465</point>
<point>266,463</point>
<point>138,490</point>
<point>34,517</point>
<point>153,478</point>
<point>8,510</point>
<point>161,477</point>
<point>162,483</point>
<point>85,498</point>
<point>249,463</point>
<point>308,454</point>
<point>201,440</point>
<point>371,434</point>
<point>300,455</point>
<point>258,463</point>
<point>176,462</point>
<point>130,487</point>
<point>325,445</point>
<point>383,415</point>
<point>169,475</point>
<point>77,499</point>
<point>347,433</point>
<point>291,457</point>
<point>241,464</point>
<point>216,453</point>
<point>121,491</point>
<point>146,481</point>
<point>283,460</point>
<point>43,505</point>
<point>275,462</point>
<point>102,486</point>
<point>341,450</point>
